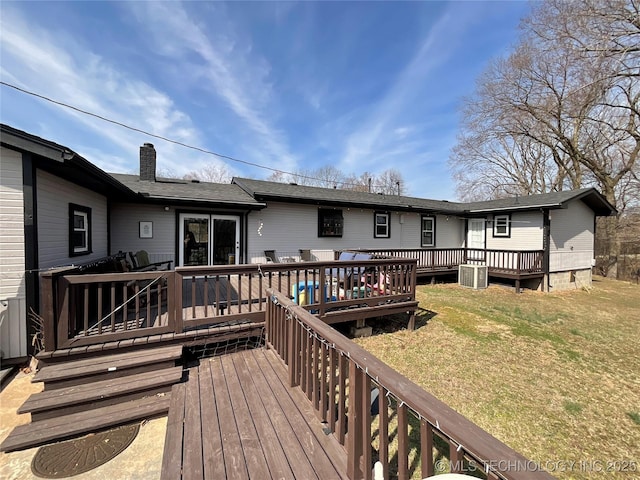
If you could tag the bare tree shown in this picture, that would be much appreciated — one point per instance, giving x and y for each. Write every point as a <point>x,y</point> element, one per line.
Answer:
<point>562,109</point>
<point>214,172</point>
<point>328,177</point>
<point>390,182</point>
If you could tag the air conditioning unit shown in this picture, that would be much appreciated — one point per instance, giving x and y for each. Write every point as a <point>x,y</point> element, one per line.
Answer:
<point>473,276</point>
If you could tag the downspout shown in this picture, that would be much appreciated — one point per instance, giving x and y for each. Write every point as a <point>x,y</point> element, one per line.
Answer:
<point>32,286</point>
<point>109,226</point>
<point>546,246</point>
<point>465,239</point>
<point>244,238</point>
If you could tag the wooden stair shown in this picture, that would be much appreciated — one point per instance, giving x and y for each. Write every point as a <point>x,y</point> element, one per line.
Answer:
<point>91,394</point>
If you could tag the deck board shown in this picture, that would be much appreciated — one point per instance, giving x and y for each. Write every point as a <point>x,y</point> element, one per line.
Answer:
<point>211,439</point>
<point>251,448</point>
<point>241,420</point>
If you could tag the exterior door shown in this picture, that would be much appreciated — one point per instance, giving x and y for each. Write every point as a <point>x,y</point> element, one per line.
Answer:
<point>476,239</point>
<point>209,239</point>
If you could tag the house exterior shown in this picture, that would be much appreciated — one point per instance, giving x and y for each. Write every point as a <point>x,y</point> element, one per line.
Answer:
<point>562,224</point>
<point>48,197</point>
<point>58,209</point>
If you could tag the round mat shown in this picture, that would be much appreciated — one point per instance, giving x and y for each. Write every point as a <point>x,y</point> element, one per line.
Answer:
<point>72,457</point>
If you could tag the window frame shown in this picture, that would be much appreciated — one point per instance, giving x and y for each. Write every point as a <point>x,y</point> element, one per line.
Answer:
<point>330,223</point>
<point>85,212</point>
<point>432,231</point>
<point>507,225</point>
<point>387,225</point>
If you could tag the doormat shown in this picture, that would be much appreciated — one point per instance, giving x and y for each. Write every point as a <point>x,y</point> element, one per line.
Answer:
<point>73,457</point>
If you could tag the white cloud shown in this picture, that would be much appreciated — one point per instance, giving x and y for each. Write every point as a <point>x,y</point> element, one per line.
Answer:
<point>387,132</point>
<point>53,64</point>
<point>228,64</point>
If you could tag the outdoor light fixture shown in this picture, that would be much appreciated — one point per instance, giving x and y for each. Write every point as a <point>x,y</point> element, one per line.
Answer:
<point>166,208</point>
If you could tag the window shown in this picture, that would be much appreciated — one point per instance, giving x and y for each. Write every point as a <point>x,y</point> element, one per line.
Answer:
<point>381,227</point>
<point>79,230</point>
<point>501,226</point>
<point>330,223</point>
<point>428,238</point>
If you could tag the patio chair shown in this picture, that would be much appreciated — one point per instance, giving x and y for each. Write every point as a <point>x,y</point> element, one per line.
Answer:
<point>140,262</point>
<point>134,286</point>
<point>305,255</point>
<point>271,256</point>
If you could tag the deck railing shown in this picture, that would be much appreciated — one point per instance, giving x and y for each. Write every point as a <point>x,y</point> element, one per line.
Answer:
<point>338,378</point>
<point>89,309</point>
<point>516,262</point>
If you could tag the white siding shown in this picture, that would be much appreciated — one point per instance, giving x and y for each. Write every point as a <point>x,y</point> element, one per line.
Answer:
<point>526,233</point>
<point>571,238</point>
<point>53,197</point>
<point>288,227</point>
<point>13,315</point>
<point>125,229</point>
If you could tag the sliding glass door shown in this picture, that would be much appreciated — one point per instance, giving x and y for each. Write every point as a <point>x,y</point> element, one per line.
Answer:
<point>209,239</point>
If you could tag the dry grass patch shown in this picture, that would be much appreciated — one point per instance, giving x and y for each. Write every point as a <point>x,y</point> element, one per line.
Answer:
<point>554,376</point>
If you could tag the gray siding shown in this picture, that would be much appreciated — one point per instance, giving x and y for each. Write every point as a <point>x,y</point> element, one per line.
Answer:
<point>13,315</point>
<point>125,228</point>
<point>526,233</point>
<point>54,195</point>
<point>288,227</point>
<point>571,238</point>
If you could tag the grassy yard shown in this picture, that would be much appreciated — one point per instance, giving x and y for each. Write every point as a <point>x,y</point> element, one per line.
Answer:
<point>554,376</point>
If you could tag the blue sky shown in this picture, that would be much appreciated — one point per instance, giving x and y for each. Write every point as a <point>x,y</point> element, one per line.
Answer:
<point>357,85</point>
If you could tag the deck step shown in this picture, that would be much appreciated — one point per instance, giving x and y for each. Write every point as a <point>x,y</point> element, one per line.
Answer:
<point>77,424</point>
<point>62,401</point>
<point>65,374</point>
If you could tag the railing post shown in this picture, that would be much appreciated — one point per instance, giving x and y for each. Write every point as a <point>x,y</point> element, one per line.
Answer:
<point>63,312</point>
<point>403,442</point>
<point>48,312</point>
<point>426,449</point>
<point>456,457</point>
<point>171,298</point>
<point>292,354</point>
<point>518,262</point>
<point>177,300</point>
<point>354,420</point>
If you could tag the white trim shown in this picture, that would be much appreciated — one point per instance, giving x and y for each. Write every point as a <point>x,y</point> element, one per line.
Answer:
<point>497,222</point>
<point>386,225</point>
<point>85,230</point>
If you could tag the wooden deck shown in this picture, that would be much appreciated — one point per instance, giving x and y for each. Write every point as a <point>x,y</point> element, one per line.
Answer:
<point>92,309</point>
<point>236,417</point>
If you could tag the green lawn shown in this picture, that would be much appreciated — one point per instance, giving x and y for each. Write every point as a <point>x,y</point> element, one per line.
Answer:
<point>555,376</point>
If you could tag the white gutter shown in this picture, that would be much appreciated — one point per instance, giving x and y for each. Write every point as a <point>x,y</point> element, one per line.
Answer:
<point>516,207</point>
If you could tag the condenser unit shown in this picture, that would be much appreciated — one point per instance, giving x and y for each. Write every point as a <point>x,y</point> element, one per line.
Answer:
<point>473,276</point>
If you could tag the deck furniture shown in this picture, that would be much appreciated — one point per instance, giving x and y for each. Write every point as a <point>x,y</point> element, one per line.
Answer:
<point>266,399</point>
<point>140,262</point>
<point>271,256</point>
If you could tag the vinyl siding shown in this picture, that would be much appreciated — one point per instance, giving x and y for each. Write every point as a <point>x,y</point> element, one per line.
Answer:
<point>13,315</point>
<point>526,233</point>
<point>571,238</point>
<point>53,196</point>
<point>288,227</point>
<point>125,230</point>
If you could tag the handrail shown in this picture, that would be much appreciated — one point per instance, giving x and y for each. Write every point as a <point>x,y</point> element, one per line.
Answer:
<point>309,348</point>
<point>82,310</point>
<point>516,261</point>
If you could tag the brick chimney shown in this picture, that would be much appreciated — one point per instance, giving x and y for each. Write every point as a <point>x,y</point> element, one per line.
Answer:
<point>148,162</point>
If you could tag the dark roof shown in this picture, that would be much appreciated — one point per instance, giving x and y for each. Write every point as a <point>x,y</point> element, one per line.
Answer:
<point>176,190</point>
<point>61,161</point>
<point>590,196</point>
<point>286,192</point>
<point>263,190</point>
<point>251,193</point>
